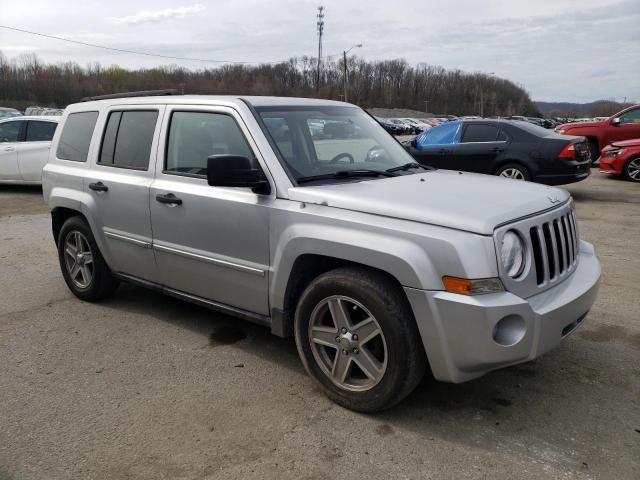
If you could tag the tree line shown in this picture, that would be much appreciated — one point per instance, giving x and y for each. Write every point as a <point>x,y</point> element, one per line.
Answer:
<point>27,81</point>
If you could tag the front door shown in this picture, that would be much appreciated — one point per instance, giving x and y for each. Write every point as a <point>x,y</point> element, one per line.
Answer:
<point>118,183</point>
<point>10,133</point>
<point>210,242</point>
<point>628,128</point>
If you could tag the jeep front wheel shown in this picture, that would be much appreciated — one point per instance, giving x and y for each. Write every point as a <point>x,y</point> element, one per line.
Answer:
<point>356,335</point>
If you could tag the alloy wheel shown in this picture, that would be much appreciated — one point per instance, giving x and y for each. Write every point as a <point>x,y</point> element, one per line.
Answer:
<point>512,173</point>
<point>347,343</point>
<point>78,259</point>
<point>633,170</point>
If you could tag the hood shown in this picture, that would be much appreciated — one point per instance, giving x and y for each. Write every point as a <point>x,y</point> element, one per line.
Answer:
<point>565,126</point>
<point>634,142</point>
<point>464,201</point>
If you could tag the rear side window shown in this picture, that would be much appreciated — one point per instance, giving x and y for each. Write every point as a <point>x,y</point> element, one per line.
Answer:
<point>194,136</point>
<point>40,131</point>
<point>127,139</point>
<point>10,131</point>
<point>76,136</point>
<point>480,133</point>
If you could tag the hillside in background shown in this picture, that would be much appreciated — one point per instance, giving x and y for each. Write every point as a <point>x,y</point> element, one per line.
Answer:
<point>26,81</point>
<point>599,108</point>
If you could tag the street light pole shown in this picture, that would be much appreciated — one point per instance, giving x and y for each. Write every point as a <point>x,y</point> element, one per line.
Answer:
<point>345,76</point>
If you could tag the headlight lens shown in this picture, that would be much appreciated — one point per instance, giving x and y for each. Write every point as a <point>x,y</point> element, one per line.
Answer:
<point>614,153</point>
<point>512,254</point>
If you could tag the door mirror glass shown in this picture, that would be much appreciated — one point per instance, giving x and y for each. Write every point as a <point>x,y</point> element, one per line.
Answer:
<point>235,171</point>
<point>615,121</point>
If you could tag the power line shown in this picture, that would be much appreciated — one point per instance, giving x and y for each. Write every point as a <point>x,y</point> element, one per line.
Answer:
<point>121,50</point>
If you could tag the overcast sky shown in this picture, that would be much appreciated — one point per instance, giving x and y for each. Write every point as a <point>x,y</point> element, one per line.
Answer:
<point>559,50</point>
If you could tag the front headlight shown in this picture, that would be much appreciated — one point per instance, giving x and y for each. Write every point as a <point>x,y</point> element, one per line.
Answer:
<point>560,131</point>
<point>512,254</point>
<point>614,153</point>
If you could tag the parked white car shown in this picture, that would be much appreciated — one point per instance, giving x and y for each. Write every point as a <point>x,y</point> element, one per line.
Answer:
<point>24,148</point>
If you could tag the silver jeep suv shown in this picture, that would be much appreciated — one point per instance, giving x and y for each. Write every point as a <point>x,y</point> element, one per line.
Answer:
<point>307,217</point>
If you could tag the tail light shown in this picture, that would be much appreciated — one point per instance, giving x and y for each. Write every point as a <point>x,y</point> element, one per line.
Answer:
<point>568,152</point>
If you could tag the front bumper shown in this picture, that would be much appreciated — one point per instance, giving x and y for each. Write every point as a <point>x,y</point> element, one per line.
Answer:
<point>612,166</point>
<point>468,336</point>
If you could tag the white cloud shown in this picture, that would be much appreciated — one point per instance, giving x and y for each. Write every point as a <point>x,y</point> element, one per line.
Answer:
<point>151,16</point>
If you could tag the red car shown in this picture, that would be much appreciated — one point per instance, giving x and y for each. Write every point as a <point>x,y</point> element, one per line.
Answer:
<point>624,125</point>
<point>622,158</point>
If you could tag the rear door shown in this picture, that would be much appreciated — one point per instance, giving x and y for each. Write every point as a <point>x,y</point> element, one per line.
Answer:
<point>34,151</point>
<point>118,182</point>
<point>10,135</point>
<point>479,146</point>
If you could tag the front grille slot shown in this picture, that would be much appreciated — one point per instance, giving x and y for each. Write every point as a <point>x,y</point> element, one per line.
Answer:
<point>554,246</point>
<point>550,248</point>
<point>537,254</point>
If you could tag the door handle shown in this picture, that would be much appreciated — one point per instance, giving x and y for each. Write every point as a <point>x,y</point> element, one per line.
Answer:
<point>169,199</point>
<point>98,187</point>
<point>9,149</point>
<point>444,150</point>
<point>497,149</point>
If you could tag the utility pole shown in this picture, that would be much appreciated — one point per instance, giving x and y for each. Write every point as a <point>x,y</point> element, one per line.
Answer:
<point>345,76</point>
<point>320,25</point>
<point>345,79</point>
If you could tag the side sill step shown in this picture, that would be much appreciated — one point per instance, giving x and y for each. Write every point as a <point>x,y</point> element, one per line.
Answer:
<point>203,302</point>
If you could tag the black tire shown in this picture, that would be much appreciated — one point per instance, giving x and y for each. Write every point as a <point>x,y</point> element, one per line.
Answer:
<point>102,283</point>
<point>406,361</point>
<point>627,170</point>
<point>526,176</point>
<point>595,152</point>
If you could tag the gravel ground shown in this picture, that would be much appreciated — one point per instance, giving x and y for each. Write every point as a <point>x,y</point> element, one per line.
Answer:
<point>145,386</point>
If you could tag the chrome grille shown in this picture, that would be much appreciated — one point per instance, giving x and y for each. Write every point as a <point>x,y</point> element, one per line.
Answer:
<point>552,246</point>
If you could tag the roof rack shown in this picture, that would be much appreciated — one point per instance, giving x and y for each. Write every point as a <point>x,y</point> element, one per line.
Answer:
<point>142,93</point>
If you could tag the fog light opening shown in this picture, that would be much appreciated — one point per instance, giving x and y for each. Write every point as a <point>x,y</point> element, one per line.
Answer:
<point>509,330</point>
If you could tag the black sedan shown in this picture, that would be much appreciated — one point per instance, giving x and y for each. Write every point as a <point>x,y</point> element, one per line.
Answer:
<point>513,149</point>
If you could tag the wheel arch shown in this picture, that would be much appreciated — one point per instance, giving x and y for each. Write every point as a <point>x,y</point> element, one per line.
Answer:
<point>59,215</point>
<point>305,269</point>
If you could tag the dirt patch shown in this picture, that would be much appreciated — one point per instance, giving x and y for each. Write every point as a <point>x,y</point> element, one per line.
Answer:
<point>21,200</point>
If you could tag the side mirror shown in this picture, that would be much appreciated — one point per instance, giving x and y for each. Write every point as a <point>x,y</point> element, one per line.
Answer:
<point>235,171</point>
<point>616,121</point>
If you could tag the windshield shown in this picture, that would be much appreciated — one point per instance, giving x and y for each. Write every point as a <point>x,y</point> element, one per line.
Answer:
<point>323,140</point>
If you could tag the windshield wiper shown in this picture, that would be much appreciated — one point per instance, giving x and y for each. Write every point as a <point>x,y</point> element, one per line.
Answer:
<point>407,166</point>
<point>347,174</point>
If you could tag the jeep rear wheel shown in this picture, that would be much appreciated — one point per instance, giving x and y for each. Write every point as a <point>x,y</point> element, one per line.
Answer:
<point>83,268</point>
<point>356,335</point>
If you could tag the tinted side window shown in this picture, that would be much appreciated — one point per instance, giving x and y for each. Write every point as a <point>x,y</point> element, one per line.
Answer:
<point>502,137</point>
<point>194,136</point>
<point>632,116</point>
<point>40,131</point>
<point>76,136</point>
<point>10,131</point>
<point>480,133</point>
<point>127,139</point>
